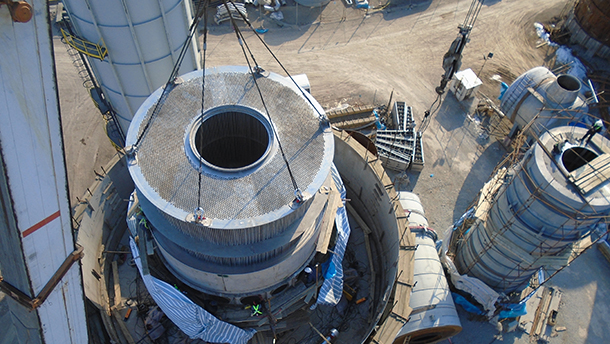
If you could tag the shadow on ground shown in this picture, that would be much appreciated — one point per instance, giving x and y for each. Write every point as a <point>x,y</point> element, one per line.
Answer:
<point>588,276</point>
<point>479,174</point>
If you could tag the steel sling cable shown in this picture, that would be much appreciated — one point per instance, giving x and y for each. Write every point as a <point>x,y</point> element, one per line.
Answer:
<point>429,113</point>
<point>170,82</point>
<point>297,192</point>
<point>199,213</point>
<point>320,115</point>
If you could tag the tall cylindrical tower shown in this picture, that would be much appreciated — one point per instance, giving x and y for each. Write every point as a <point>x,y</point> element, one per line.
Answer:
<point>143,39</point>
<point>532,214</point>
<point>213,184</point>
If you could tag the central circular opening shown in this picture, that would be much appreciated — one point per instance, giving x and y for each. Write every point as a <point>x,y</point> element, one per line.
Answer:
<point>231,140</point>
<point>575,157</point>
<point>568,82</point>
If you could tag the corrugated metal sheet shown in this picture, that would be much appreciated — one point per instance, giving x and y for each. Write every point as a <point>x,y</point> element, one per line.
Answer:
<point>32,150</point>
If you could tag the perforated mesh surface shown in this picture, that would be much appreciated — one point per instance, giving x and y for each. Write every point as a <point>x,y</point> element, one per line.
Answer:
<point>167,170</point>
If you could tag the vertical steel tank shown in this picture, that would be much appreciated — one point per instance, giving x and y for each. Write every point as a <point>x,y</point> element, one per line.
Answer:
<point>531,215</point>
<point>143,38</point>
<point>41,289</point>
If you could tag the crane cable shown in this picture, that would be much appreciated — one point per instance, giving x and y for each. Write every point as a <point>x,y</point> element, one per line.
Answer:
<point>465,30</point>
<point>429,113</point>
<point>174,74</point>
<point>199,214</point>
<point>473,13</point>
<point>255,72</point>
<point>321,116</point>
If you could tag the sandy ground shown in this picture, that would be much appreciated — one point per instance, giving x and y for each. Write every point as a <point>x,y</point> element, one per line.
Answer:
<point>353,57</point>
<point>357,57</point>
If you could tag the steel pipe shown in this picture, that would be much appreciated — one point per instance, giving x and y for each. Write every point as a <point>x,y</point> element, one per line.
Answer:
<point>434,317</point>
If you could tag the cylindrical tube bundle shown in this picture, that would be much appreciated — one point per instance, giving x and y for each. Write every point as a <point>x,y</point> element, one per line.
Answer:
<point>218,195</point>
<point>434,316</point>
<point>536,214</point>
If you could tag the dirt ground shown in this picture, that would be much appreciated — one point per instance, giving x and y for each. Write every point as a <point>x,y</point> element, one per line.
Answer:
<point>355,57</point>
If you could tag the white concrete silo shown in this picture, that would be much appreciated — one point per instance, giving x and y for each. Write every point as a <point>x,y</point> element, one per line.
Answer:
<point>143,39</point>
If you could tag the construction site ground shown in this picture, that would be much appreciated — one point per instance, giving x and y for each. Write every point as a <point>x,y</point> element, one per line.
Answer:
<point>358,57</point>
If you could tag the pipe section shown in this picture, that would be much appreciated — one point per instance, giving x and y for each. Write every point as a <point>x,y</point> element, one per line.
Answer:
<point>549,100</point>
<point>434,317</point>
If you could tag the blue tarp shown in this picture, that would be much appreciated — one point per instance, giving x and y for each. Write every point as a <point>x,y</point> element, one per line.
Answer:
<point>513,310</point>
<point>332,287</point>
<point>192,319</point>
<point>469,307</point>
<point>503,88</point>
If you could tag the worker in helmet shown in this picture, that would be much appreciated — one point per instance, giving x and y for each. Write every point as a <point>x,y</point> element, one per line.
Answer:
<point>596,128</point>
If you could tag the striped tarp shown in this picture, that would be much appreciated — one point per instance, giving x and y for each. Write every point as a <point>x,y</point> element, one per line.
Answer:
<point>332,287</point>
<point>193,320</point>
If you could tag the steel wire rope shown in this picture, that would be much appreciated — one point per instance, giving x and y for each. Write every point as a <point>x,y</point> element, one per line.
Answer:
<point>473,13</point>
<point>199,213</point>
<point>429,113</point>
<point>253,72</point>
<point>320,115</point>
<point>172,77</point>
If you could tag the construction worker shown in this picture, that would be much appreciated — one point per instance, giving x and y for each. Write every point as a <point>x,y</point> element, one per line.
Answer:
<point>596,128</point>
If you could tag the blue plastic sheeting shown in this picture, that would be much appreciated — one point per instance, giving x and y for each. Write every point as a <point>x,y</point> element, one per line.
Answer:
<point>378,123</point>
<point>332,288</point>
<point>468,214</point>
<point>468,307</point>
<point>513,310</point>
<point>193,320</point>
<point>503,88</point>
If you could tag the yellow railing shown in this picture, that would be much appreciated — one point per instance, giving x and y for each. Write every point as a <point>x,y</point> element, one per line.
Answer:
<point>97,51</point>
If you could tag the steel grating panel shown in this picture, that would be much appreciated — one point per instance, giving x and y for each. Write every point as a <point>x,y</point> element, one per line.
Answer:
<point>167,170</point>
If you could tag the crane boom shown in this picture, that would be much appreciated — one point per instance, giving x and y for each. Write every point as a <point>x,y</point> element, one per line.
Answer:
<point>452,60</point>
